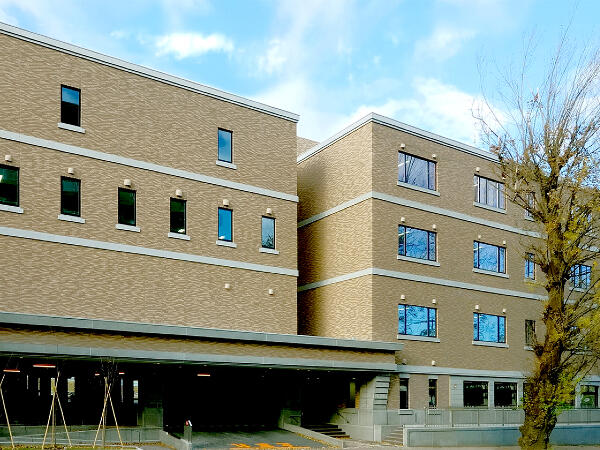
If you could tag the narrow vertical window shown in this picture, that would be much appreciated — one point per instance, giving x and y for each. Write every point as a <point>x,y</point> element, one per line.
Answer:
<point>136,392</point>
<point>529,266</point>
<point>268,232</point>
<point>225,146</point>
<point>70,106</point>
<point>432,393</point>
<point>70,196</point>
<point>403,393</point>
<point>70,389</point>
<point>126,207</point>
<point>178,216</point>
<point>9,185</point>
<point>529,332</point>
<point>530,205</point>
<point>225,231</point>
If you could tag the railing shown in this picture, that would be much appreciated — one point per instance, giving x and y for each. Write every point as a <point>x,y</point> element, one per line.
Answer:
<point>466,417</point>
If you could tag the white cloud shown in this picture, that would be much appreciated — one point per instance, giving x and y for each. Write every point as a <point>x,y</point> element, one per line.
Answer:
<point>443,43</point>
<point>184,45</point>
<point>274,59</point>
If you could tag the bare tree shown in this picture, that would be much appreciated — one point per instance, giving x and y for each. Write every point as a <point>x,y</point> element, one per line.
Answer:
<point>545,134</point>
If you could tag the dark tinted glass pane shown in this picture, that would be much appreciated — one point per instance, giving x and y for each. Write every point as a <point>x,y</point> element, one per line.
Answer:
<point>417,244</point>
<point>401,319</point>
<point>69,197</point>
<point>416,321</point>
<point>403,393</point>
<point>268,232</point>
<point>432,393</point>
<point>126,207</point>
<point>225,224</point>
<point>475,393</point>
<point>225,145</point>
<point>70,106</point>
<point>505,394</point>
<point>9,185</point>
<point>177,216</point>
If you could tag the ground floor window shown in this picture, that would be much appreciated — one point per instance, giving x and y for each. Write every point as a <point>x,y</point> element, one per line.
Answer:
<point>433,393</point>
<point>505,394</point>
<point>589,396</point>
<point>475,393</point>
<point>403,393</point>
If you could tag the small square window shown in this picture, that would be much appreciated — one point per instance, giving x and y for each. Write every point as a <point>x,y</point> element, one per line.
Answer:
<point>177,216</point>
<point>126,207</point>
<point>268,232</point>
<point>9,185</point>
<point>70,196</point>
<point>475,394</point>
<point>70,106</point>
<point>225,146</point>
<point>225,225</point>
<point>417,320</point>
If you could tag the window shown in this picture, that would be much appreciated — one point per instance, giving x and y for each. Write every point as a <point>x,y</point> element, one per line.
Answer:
<point>126,207</point>
<point>529,332</point>
<point>70,389</point>
<point>489,257</point>
<point>432,393</point>
<point>9,185</point>
<point>225,152</point>
<point>177,216</point>
<point>225,224</point>
<point>489,328</point>
<point>589,396</point>
<point>505,394</point>
<point>70,196</point>
<point>416,243</point>
<point>416,320</point>
<point>403,393</point>
<point>136,392</point>
<point>268,232</point>
<point>70,106</point>
<point>530,205</point>
<point>489,192</point>
<point>475,393</point>
<point>416,171</point>
<point>580,276</point>
<point>529,266</point>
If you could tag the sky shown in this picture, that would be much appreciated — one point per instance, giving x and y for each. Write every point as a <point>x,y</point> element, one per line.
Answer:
<point>422,62</point>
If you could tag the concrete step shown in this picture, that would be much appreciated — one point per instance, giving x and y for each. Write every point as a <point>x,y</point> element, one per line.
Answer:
<point>328,429</point>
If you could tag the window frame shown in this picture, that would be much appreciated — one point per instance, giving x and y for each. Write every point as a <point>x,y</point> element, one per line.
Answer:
<point>429,321</point>
<point>18,171</point>
<point>429,237</point>
<point>501,264</point>
<point>485,393</point>
<point>476,336</point>
<point>404,399</point>
<point>500,192</point>
<point>530,266</point>
<point>529,332</point>
<point>586,276</point>
<point>184,202</point>
<point>134,206</point>
<point>230,161</point>
<point>432,387</point>
<point>513,394</point>
<point>62,211</point>
<point>219,221</point>
<point>262,228</point>
<point>78,124</point>
<point>429,175</point>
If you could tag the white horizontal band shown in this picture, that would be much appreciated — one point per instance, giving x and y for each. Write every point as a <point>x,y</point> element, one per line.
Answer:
<point>90,243</point>
<point>420,206</point>
<point>421,279</point>
<point>96,57</point>
<point>109,157</point>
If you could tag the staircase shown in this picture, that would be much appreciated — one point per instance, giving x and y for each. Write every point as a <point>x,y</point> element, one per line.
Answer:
<point>396,437</point>
<point>328,429</point>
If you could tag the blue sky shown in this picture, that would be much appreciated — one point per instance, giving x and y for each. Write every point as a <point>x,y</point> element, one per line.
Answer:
<point>330,61</point>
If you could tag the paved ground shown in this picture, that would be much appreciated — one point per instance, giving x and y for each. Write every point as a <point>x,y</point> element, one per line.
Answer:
<point>253,440</point>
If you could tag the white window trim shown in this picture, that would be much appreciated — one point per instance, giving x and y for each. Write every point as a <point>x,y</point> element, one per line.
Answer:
<point>120,226</point>
<point>418,260</point>
<point>408,337</point>
<point>68,218</point>
<point>181,236</point>
<point>531,219</point>
<point>268,250</point>
<point>528,348</point>
<point>491,208</point>
<point>226,243</point>
<point>491,344</point>
<point>490,272</point>
<point>66,126</point>
<point>226,164</point>
<point>12,209</point>
<point>417,188</point>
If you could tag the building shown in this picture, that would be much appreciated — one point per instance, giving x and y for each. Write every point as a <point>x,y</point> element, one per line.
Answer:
<point>406,236</point>
<point>148,228</point>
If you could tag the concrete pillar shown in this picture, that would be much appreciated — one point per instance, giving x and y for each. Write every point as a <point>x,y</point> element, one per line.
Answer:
<point>374,394</point>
